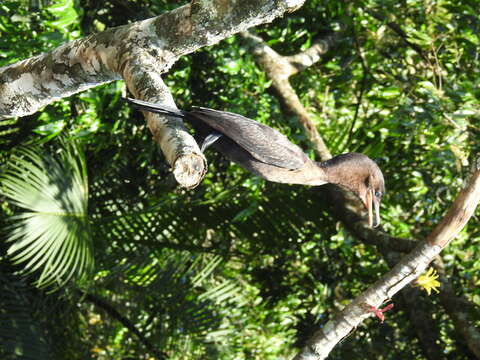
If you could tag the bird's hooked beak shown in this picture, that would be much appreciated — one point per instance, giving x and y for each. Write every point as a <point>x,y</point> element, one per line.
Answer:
<point>372,203</point>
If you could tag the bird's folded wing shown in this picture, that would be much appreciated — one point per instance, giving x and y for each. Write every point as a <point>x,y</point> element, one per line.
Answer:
<point>262,142</point>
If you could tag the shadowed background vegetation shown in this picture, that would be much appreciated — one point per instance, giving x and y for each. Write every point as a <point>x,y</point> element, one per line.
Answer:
<point>103,257</point>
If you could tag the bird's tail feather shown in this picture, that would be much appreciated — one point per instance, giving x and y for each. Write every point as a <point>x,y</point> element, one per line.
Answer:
<point>155,108</point>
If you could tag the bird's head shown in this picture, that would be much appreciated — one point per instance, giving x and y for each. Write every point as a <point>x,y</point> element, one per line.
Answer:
<point>361,175</point>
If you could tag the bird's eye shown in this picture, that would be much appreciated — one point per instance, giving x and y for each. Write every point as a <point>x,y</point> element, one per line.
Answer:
<point>378,194</point>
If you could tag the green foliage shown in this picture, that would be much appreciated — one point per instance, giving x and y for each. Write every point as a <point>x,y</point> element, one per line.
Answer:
<point>27,30</point>
<point>20,335</point>
<point>51,236</point>
<point>239,268</point>
<point>65,17</point>
<point>179,300</point>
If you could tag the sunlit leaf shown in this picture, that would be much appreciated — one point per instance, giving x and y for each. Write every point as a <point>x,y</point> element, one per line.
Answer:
<point>50,235</point>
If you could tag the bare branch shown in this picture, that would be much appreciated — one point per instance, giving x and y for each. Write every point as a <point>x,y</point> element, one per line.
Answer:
<point>347,209</point>
<point>408,269</point>
<point>417,308</point>
<point>136,52</point>
<point>278,69</point>
<point>313,54</point>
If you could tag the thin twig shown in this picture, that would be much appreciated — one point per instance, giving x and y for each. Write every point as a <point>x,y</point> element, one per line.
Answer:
<point>347,209</point>
<point>114,313</point>
<point>363,84</point>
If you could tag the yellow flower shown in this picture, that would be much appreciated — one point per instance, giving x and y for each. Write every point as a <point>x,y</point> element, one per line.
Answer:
<point>428,281</point>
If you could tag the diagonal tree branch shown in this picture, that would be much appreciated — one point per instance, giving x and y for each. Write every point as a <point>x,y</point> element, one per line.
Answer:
<point>137,53</point>
<point>346,207</point>
<point>407,270</point>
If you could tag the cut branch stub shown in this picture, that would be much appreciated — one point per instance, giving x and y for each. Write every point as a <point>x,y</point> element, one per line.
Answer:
<point>189,169</point>
<point>139,53</point>
<point>179,147</point>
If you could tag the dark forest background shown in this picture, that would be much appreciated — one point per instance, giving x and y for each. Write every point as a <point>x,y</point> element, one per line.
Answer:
<point>238,268</point>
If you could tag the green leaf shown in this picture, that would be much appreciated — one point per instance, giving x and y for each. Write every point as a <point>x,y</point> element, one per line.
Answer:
<point>390,92</point>
<point>51,236</point>
<point>246,213</point>
<point>64,11</point>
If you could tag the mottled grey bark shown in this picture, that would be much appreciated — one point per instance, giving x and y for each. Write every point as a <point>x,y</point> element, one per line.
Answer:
<point>137,53</point>
<point>347,209</point>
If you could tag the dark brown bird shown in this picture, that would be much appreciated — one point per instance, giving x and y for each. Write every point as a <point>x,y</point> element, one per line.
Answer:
<point>269,154</point>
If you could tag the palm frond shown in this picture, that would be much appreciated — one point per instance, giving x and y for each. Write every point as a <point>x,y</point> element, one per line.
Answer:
<point>185,297</point>
<point>51,236</point>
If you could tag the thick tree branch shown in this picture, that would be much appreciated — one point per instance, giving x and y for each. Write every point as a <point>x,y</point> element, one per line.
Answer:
<point>346,207</point>
<point>418,309</point>
<point>457,307</point>
<point>136,52</point>
<point>407,270</point>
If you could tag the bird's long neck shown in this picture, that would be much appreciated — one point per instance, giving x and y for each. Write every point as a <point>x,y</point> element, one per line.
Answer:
<point>340,171</point>
<point>329,172</point>
<point>312,173</point>
<point>309,174</point>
